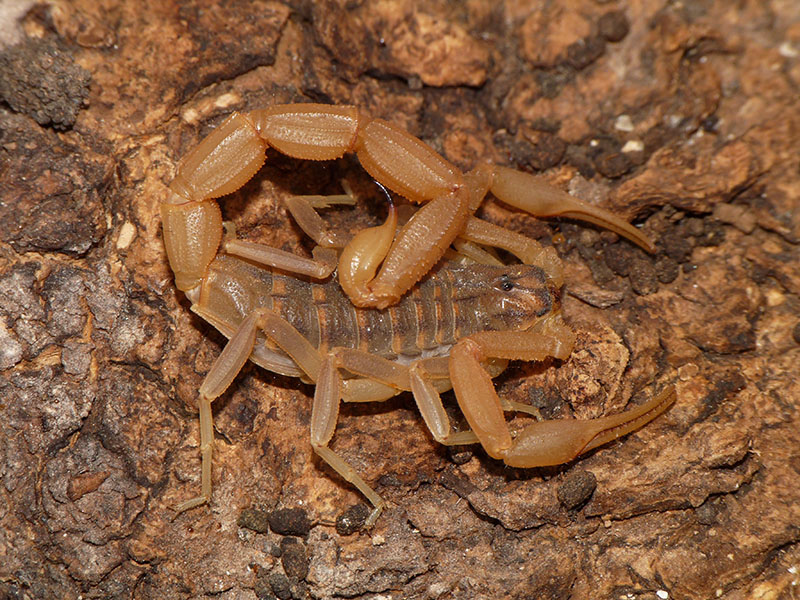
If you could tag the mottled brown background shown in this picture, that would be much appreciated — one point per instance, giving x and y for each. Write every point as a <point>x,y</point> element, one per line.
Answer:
<point>683,116</point>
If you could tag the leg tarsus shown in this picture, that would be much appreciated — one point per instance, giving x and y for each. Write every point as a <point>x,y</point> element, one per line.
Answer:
<point>349,474</point>
<point>511,406</point>
<point>206,455</point>
<point>460,438</point>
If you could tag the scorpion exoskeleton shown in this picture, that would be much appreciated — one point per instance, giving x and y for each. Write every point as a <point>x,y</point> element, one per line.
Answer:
<point>421,324</point>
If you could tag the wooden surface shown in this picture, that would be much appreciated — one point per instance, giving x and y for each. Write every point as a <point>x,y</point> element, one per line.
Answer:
<point>682,117</point>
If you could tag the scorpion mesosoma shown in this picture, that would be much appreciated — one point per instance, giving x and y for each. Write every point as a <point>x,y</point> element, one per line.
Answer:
<point>420,324</point>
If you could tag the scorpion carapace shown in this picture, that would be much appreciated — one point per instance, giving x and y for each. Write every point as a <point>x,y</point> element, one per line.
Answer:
<point>398,317</point>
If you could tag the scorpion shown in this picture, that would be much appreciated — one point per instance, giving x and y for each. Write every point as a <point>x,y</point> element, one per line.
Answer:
<point>423,307</point>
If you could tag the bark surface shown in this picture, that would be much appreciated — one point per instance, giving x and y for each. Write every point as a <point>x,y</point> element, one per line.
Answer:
<point>682,117</point>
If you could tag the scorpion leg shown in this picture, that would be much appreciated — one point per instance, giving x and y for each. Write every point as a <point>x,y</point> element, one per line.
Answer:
<point>320,267</point>
<point>324,415</point>
<point>325,409</point>
<point>385,374</point>
<point>227,366</point>
<point>303,210</point>
<point>425,373</point>
<point>544,443</point>
<point>222,372</point>
<point>324,412</point>
<point>379,379</point>
<point>425,378</point>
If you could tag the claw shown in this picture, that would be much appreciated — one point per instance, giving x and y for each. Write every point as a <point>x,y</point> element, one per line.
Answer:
<point>539,198</point>
<point>556,442</point>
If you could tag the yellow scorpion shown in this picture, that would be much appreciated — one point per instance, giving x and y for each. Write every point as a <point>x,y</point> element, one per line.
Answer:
<point>398,318</point>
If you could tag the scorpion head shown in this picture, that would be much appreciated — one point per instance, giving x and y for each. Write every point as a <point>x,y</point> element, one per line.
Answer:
<point>519,296</point>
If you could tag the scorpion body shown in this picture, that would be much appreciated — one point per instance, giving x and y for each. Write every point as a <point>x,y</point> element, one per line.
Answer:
<point>397,315</point>
<point>453,302</point>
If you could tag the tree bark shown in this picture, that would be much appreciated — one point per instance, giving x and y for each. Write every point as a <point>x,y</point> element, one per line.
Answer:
<point>682,118</point>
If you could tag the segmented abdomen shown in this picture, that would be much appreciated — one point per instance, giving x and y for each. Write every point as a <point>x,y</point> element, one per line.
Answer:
<point>439,311</point>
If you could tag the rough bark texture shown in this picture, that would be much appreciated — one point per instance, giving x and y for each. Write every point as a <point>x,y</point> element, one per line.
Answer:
<point>682,116</point>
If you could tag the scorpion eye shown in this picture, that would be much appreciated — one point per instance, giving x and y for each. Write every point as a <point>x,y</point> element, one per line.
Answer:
<point>506,284</point>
